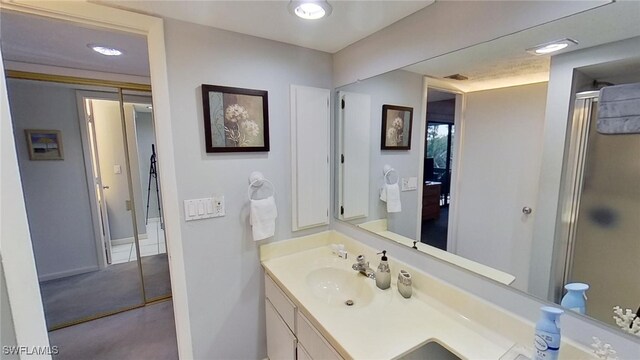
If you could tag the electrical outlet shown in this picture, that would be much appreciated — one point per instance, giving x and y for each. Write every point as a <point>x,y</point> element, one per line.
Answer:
<point>218,206</point>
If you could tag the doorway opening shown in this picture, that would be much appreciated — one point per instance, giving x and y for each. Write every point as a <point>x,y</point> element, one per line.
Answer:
<point>93,198</point>
<point>438,167</point>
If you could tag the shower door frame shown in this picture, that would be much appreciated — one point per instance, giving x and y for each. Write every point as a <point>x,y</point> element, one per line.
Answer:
<point>571,190</point>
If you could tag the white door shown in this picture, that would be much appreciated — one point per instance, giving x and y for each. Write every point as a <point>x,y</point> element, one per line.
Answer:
<point>104,233</point>
<point>498,176</point>
<point>354,121</point>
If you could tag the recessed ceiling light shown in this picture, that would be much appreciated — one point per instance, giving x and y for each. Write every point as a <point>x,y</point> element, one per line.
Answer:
<point>310,9</point>
<point>105,50</point>
<point>550,47</point>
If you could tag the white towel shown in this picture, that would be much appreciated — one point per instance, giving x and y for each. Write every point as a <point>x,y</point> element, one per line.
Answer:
<point>263,218</point>
<point>391,195</point>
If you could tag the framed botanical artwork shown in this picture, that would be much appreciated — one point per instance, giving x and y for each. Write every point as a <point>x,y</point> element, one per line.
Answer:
<point>235,119</point>
<point>44,144</point>
<point>396,127</point>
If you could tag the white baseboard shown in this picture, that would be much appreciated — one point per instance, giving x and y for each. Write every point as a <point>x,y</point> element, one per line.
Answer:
<point>67,273</point>
<point>128,240</point>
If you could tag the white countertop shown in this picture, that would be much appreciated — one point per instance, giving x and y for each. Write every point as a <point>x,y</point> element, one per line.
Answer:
<point>390,326</point>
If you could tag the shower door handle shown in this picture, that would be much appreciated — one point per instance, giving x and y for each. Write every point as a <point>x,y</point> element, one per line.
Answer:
<point>527,210</point>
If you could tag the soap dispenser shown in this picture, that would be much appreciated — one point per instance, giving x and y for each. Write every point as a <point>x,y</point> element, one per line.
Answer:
<point>383,274</point>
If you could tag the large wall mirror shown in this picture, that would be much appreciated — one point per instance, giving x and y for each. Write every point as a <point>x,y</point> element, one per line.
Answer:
<point>483,155</point>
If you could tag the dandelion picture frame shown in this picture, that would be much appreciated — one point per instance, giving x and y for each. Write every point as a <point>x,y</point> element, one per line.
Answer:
<point>396,127</point>
<point>44,144</point>
<point>235,119</point>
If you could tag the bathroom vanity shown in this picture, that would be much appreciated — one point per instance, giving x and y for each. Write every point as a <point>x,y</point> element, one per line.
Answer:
<point>308,316</point>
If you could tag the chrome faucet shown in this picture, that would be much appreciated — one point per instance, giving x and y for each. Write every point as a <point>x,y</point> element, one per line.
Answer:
<point>363,267</point>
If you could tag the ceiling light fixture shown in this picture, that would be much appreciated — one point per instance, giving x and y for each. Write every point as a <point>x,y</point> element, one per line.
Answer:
<point>310,9</point>
<point>550,47</point>
<point>105,50</point>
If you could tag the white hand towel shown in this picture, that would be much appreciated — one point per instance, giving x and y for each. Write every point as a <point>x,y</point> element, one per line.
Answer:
<point>392,194</point>
<point>263,218</point>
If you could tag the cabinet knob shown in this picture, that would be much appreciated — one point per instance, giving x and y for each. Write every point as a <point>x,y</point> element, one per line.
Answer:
<point>527,210</point>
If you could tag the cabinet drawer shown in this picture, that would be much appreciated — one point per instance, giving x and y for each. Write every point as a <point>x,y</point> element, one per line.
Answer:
<point>281,343</point>
<point>303,354</point>
<point>314,343</point>
<point>281,302</point>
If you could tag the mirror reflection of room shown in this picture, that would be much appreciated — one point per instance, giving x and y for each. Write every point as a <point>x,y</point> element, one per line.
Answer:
<point>482,170</point>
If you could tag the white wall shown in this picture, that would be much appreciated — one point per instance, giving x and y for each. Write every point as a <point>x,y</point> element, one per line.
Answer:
<point>224,277</point>
<point>559,104</point>
<point>7,327</point>
<point>403,88</point>
<point>500,163</point>
<point>56,192</point>
<point>441,28</point>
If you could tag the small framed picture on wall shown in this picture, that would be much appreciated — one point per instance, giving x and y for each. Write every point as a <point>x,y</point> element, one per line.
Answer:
<point>235,119</point>
<point>44,144</point>
<point>396,127</point>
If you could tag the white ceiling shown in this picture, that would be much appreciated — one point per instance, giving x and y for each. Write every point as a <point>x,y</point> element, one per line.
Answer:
<point>349,22</point>
<point>498,63</point>
<point>503,62</point>
<point>45,41</point>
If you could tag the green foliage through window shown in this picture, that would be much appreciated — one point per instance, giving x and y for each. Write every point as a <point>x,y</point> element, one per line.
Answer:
<point>437,135</point>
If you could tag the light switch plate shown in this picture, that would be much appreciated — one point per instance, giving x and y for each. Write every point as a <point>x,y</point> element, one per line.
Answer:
<point>117,169</point>
<point>413,183</point>
<point>409,184</point>
<point>196,209</point>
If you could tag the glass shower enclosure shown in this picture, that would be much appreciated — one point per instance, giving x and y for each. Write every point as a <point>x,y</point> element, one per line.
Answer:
<point>601,213</point>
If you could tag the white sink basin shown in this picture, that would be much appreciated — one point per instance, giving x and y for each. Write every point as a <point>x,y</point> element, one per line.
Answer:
<point>432,351</point>
<point>338,286</point>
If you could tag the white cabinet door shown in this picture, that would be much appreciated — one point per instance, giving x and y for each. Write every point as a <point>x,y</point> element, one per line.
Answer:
<point>303,354</point>
<point>281,343</point>
<point>354,122</point>
<point>310,121</point>
<point>314,343</point>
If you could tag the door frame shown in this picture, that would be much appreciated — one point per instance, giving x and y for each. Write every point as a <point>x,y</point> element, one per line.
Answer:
<point>28,316</point>
<point>88,149</point>
<point>456,148</point>
<point>571,190</point>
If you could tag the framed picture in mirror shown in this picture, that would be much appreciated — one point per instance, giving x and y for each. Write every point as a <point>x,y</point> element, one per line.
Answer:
<point>396,127</point>
<point>44,144</point>
<point>235,119</point>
